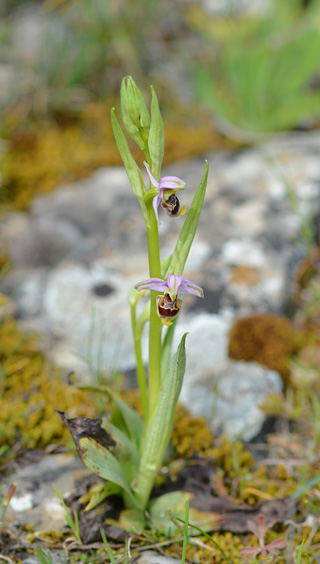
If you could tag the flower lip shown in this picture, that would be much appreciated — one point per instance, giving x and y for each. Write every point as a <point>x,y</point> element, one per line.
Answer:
<point>168,309</point>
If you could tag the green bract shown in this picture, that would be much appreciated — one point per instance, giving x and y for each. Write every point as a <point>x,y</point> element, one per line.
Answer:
<point>127,449</point>
<point>156,137</point>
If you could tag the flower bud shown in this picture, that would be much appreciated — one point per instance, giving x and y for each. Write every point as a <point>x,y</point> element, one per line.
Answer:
<point>135,114</point>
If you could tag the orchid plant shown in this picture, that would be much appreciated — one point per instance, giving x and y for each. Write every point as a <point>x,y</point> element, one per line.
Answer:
<point>128,449</point>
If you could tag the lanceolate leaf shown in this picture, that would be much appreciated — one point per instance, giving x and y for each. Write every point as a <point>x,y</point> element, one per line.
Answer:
<point>133,424</point>
<point>166,350</point>
<point>131,166</point>
<point>159,427</point>
<point>188,231</point>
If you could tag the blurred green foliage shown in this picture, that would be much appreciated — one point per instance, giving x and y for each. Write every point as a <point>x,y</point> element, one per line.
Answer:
<point>257,71</point>
<point>261,74</point>
<point>86,48</point>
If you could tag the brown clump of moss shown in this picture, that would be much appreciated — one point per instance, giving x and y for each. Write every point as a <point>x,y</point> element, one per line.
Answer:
<point>265,338</point>
<point>31,389</point>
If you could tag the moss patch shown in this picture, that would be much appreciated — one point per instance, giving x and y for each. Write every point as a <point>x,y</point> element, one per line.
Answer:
<point>265,338</point>
<point>31,389</point>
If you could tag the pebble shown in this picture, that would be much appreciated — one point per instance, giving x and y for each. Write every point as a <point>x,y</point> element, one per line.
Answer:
<point>152,557</point>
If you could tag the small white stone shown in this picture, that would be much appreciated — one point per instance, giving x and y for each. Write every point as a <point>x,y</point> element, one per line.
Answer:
<point>150,557</point>
<point>21,503</point>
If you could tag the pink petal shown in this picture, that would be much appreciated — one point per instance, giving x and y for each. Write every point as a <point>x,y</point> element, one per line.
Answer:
<point>153,181</point>
<point>152,284</point>
<point>172,183</point>
<point>187,287</point>
<point>173,283</point>
<point>156,203</point>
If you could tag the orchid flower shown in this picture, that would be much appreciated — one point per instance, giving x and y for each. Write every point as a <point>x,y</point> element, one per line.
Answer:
<point>169,304</point>
<point>167,187</point>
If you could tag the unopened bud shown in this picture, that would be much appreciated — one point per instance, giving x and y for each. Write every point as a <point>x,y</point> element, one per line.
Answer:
<point>135,114</point>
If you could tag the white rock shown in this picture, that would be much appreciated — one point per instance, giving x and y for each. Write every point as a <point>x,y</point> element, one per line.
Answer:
<point>239,389</point>
<point>248,217</point>
<point>206,351</point>
<point>243,252</point>
<point>97,328</point>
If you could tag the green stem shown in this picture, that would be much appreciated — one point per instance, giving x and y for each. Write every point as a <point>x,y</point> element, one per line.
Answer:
<point>141,375</point>
<point>155,322</point>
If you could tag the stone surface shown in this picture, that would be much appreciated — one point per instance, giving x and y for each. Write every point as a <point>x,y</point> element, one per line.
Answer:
<point>152,557</point>
<point>238,390</point>
<point>35,500</point>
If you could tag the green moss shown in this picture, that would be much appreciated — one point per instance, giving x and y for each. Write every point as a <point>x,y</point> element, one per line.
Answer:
<point>231,457</point>
<point>191,435</point>
<point>31,389</point>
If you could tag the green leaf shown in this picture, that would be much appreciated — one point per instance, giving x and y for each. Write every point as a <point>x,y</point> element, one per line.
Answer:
<point>158,431</point>
<point>100,461</point>
<point>131,520</point>
<point>156,137</point>
<point>132,169</point>
<point>125,451</point>
<point>132,422</point>
<point>123,416</point>
<point>188,231</point>
<point>95,446</point>
<point>166,350</point>
<point>99,492</point>
<point>164,510</point>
